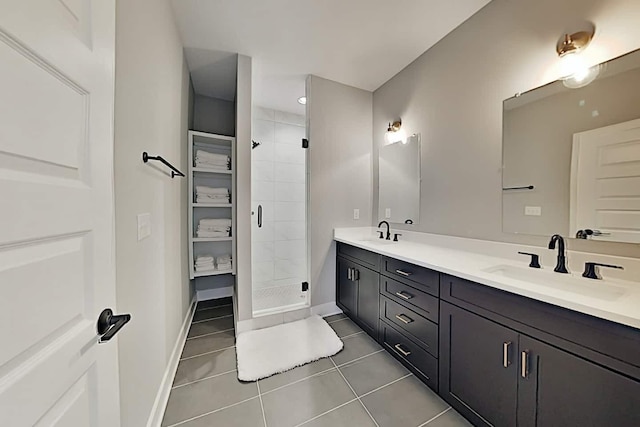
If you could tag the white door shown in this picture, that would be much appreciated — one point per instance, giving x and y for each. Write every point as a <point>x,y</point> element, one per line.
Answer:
<point>605,182</point>
<point>56,213</point>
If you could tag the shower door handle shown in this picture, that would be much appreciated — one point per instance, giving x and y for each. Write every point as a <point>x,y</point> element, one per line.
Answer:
<point>259,216</point>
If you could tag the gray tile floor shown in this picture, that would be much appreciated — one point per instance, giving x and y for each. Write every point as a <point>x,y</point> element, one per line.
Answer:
<point>360,386</point>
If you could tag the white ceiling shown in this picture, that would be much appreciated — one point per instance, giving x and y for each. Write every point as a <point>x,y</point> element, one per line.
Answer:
<point>361,43</point>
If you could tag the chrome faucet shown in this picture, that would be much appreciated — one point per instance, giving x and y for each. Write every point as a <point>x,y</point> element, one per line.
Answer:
<point>561,265</point>
<point>388,229</point>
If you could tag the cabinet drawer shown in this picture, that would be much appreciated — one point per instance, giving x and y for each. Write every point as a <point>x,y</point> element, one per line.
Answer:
<point>369,259</point>
<point>425,279</point>
<point>421,330</point>
<point>422,363</point>
<point>410,296</point>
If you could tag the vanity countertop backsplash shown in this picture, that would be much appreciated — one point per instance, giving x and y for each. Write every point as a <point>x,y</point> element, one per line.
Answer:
<point>498,265</point>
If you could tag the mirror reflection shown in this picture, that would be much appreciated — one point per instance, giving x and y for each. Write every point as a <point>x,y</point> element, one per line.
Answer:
<point>399,181</point>
<point>571,157</point>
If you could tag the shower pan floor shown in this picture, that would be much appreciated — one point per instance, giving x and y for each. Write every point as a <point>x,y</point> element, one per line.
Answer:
<point>278,299</point>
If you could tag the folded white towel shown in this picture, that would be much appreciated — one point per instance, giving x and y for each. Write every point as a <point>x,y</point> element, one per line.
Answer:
<point>213,168</point>
<point>223,259</point>
<point>222,267</point>
<point>210,157</point>
<point>203,269</point>
<point>212,196</point>
<point>215,221</point>
<point>204,258</point>
<point>222,228</point>
<point>212,202</point>
<point>200,233</point>
<point>201,189</point>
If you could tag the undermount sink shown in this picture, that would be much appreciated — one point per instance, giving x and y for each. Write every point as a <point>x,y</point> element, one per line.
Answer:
<point>601,289</point>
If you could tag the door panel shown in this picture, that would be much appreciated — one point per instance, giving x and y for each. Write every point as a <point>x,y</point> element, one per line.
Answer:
<point>565,390</point>
<point>56,222</point>
<point>347,288</point>
<point>368,299</point>
<point>605,182</point>
<point>473,378</point>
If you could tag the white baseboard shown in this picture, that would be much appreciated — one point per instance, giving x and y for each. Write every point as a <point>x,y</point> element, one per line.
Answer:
<point>207,294</point>
<point>324,310</point>
<point>162,398</point>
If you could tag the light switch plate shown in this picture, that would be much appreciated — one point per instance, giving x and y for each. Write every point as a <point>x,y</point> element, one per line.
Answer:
<point>533,210</point>
<point>356,214</point>
<point>144,226</point>
<point>387,213</point>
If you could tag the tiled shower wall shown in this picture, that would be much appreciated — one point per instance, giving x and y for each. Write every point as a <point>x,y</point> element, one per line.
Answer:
<point>279,247</point>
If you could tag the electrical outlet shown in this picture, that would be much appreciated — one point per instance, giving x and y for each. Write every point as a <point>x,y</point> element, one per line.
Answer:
<point>533,210</point>
<point>144,226</point>
<point>356,214</point>
<point>387,213</point>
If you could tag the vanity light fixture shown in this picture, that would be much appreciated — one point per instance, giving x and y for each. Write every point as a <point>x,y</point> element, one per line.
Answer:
<point>577,73</point>
<point>302,100</point>
<point>395,133</point>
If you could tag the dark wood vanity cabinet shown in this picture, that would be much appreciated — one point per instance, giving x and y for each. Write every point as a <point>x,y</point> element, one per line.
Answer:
<point>357,287</point>
<point>511,361</point>
<point>498,358</point>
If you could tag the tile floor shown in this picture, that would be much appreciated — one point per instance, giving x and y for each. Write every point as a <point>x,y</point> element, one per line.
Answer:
<point>360,386</point>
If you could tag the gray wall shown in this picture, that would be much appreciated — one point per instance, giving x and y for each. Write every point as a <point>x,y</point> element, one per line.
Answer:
<point>214,115</point>
<point>538,141</point>
<point>151,110</point>
<point>339,123</point>
<point>453,95</point>
<point>243,190</point>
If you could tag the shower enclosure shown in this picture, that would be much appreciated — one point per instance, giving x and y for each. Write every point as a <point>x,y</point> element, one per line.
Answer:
<point>280,266</point>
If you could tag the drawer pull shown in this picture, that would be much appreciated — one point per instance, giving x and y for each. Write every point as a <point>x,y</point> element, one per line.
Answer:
<point>404,295</point>
<point>404,273</point>
<point>524,369</point>
<point>505,354</point>
<point>401,350</point>
<point>404,318</point>
<point>349,273</point>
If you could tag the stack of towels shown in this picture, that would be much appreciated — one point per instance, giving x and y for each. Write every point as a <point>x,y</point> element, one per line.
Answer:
<point>212,161</point>
<point>223,263</point>
<point>205,263</point>
<point>212,195</point>
<point>214,227</point>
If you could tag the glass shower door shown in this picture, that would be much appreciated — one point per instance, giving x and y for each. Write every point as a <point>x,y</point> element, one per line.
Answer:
<point>279,208</point>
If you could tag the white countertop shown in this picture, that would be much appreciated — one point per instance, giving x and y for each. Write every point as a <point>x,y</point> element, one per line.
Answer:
<point>621,306</point>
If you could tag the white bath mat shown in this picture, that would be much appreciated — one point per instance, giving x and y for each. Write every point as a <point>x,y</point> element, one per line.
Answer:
<point>265,352</point>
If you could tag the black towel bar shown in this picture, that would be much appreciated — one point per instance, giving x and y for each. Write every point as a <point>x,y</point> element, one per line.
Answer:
<point>174,172</point>
<point>528,187</point>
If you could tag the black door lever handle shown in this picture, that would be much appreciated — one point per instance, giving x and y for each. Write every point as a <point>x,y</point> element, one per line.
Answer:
<point>109,324</point>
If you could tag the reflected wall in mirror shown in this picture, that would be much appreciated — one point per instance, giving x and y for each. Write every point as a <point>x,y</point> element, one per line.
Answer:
<point>399,181</point>
<point>580,151</point>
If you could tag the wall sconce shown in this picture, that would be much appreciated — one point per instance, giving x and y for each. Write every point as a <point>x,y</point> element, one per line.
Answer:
<point>576,71</point>
<point>395,133</point>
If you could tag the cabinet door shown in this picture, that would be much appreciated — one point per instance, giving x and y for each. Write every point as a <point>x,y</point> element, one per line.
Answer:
<point>478,369</point>
<point>347,288</point>
<point>368,299</point>
<point>558,388</point>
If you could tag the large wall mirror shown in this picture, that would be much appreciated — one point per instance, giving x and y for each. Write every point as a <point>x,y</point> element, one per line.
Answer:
<point>399,181</point>
<point>571,157</point>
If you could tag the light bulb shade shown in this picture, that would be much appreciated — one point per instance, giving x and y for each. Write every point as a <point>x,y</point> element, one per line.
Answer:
<point>582,77</point>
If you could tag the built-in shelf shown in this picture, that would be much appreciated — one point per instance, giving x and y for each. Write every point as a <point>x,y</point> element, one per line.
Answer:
<point>213,246</point>
<point>211,273</point>
<point>212,239</point>
<point>212,205</point>
<point>205,170</point>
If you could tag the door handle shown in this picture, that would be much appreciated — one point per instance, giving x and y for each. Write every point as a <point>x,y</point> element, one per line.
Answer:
<point>259,216</point>
<point>524,368</point>
<point>505,354</point>
<point>349,274</point>
<point>404,273</point>
<point>109,324</point>
<point>404,318</point>
<point>356,274</point>
<point>404,295</point>
<point>401,350</point>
